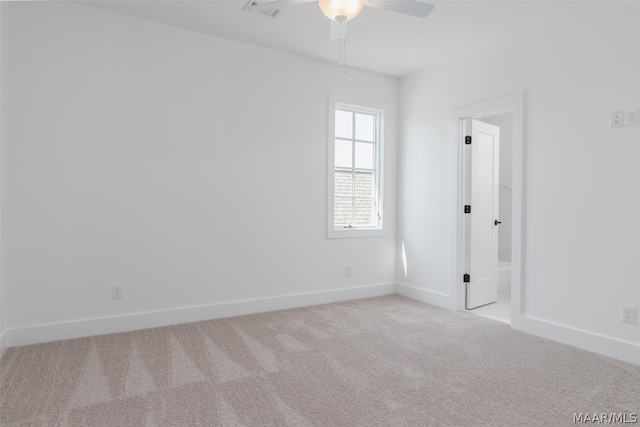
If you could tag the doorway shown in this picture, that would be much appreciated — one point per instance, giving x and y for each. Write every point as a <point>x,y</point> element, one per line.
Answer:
<point>504,272</point>
<point>492,249</point>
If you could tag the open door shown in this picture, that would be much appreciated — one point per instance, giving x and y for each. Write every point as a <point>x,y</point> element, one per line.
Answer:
<point>481,169</point>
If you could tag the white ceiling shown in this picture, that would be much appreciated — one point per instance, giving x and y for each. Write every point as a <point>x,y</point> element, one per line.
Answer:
<point>378,40</point>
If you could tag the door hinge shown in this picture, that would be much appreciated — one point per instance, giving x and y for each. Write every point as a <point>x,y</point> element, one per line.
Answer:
<point>467,209</point>
<point>466,278</point>
<point>467,139</point>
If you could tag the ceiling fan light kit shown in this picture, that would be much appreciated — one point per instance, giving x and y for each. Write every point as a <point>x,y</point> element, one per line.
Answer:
<point>341,10</point>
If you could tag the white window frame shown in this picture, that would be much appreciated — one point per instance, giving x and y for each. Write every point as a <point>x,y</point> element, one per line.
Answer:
<point>337,101</point>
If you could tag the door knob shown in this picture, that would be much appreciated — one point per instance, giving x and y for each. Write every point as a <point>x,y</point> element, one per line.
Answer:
<point>496,222</point>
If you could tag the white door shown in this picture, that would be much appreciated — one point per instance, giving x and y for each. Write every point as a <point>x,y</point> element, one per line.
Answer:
<point>481,165</point>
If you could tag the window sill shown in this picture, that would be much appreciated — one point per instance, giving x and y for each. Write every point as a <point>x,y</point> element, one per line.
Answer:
<point>339,233</point>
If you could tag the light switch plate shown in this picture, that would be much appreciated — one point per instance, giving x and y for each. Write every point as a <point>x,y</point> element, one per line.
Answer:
<point>633,117</point>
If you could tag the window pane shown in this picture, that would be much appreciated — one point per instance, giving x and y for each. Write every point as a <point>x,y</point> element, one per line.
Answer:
<point>343,154</point>
<point>365,127</point>
<point>364,184</point>
<point>342,211</point>
<point>364,155</point>
<point>344,124</point>
<point>343,184</point>
<point>364,215</point>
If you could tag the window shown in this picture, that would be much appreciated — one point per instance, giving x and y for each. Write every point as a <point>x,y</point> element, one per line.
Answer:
<point>355,175</point>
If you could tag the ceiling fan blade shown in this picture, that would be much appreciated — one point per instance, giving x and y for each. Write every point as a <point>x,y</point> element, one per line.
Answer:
<point>407,7</point>
<point>264,5</point>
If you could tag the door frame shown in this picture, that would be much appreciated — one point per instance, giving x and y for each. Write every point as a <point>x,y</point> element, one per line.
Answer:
<point>508,104</point>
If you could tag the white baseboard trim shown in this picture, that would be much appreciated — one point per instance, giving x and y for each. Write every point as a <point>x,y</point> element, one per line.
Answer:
<point>107,325</point>
<point>606,346</point>
<point>4,342</point>
<point>426,296</point>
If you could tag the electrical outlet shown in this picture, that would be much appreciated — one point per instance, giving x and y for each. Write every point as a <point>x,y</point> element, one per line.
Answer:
<point>116,292</point>
<point>617,119</point>
<point>629,314</point>
<point>633,117</point>
<point>349,271</point>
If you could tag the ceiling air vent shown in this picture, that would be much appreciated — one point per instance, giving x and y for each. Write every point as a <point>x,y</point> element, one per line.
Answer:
<point>262,7</point>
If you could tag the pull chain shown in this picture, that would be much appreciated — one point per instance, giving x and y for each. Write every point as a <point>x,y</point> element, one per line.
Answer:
<point>343,43</point>
<point>343,55</point>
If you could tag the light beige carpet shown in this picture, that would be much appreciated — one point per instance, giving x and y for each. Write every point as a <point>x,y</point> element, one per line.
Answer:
<point>386,361</point>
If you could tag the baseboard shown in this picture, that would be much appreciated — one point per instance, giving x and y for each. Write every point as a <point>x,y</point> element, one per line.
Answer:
<point>426,296</point>
<point>606,346</point>
<point>107,325</point>
<point>4,343</point>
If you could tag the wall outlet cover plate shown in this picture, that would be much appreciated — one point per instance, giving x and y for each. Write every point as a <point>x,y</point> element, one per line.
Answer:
<point>617,119</point>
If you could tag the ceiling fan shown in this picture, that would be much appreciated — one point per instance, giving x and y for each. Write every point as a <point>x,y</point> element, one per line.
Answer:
<point>345,10</point>
<point>341,11</point>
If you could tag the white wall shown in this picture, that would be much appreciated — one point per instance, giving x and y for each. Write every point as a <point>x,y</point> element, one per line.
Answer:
<point>582,179</point>
<point>505,192</point>
<point>190,169</point>
<point>3,123</point>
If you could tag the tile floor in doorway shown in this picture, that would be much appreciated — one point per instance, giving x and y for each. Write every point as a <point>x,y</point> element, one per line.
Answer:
<point>500,310</point>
